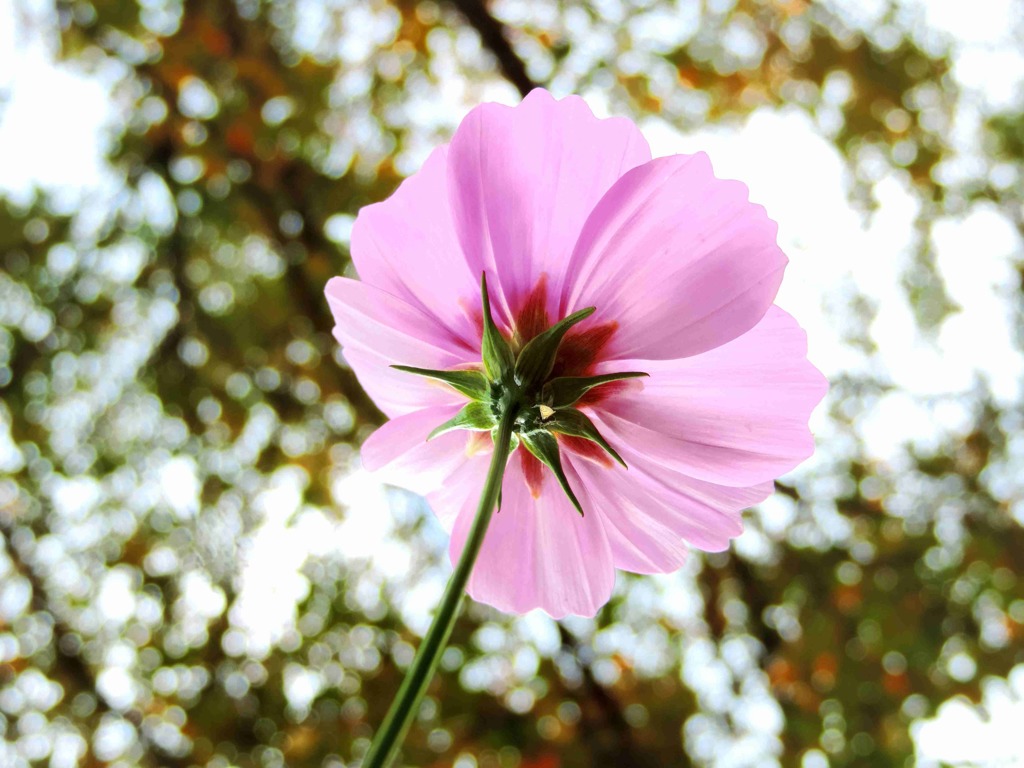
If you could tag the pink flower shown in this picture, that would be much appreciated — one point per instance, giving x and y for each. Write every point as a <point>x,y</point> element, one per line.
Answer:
<point>564,211</point>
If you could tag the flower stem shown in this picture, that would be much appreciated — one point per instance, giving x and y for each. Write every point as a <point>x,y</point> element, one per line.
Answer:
<point>392,732</point>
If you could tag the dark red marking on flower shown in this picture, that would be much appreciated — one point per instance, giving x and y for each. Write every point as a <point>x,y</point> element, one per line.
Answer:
<point>581,349</point>
<point>603,392</point>
<point>586,449</point>
<point>532,317</point>
<point>533,471</point>
<point>475,313</point>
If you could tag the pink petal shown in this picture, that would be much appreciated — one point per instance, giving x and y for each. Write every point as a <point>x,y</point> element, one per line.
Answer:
<point>395,392</point>
<point>538,552</point>
<point>378,330</point>
<point>705,514</point>
<point>523,180</point>
<point>407,246</point>
<point>681,260</point>
<point>399,454</point>
<point>735,416</point>
<point>640,541</point>
<point>463,485</point>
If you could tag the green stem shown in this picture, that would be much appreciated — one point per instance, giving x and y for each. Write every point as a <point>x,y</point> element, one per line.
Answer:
<point>392,732</point>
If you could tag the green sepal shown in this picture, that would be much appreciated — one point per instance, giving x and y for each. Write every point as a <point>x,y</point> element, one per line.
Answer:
<point>472,384</point>
<point>577,424</point>
<point>566,390</point>
<point>537,358</point>
<point>544,447</point>
<point>513,442</point>
<point>473,416</point>
<point>498,358</point>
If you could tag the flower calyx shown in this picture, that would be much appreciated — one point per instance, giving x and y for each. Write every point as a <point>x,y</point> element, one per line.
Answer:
<point>518,384</point>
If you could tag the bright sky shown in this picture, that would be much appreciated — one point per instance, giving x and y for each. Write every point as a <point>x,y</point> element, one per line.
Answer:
<point>52,121</point>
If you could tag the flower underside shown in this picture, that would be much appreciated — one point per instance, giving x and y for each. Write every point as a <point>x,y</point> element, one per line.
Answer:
<point>521,381</point>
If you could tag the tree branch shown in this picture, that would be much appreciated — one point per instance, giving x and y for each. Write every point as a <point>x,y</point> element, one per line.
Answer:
<point>624,750</point>
<point>493,35</point>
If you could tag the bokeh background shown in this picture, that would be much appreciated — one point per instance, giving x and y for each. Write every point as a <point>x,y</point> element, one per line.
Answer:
<point>194,571</point>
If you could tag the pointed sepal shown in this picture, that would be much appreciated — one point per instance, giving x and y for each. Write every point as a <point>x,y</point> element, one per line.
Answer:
<point>567,390</point>
<point>472,384</point>
<point>537,358</point>
<point>544,447</point>
<point>474,416</point>
<point>577,424</point>
<point>498,358</point>
<point>513,442</point>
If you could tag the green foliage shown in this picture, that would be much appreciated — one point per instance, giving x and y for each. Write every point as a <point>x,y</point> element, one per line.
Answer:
<point>499,358</point>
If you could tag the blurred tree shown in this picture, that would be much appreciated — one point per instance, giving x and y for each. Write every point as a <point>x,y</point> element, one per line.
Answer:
<point>175,416</point>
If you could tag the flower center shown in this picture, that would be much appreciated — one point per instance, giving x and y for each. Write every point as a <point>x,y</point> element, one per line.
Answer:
<point>524,385</point>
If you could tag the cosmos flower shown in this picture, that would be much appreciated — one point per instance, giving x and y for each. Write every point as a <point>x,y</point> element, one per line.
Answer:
<point>663,391</point>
